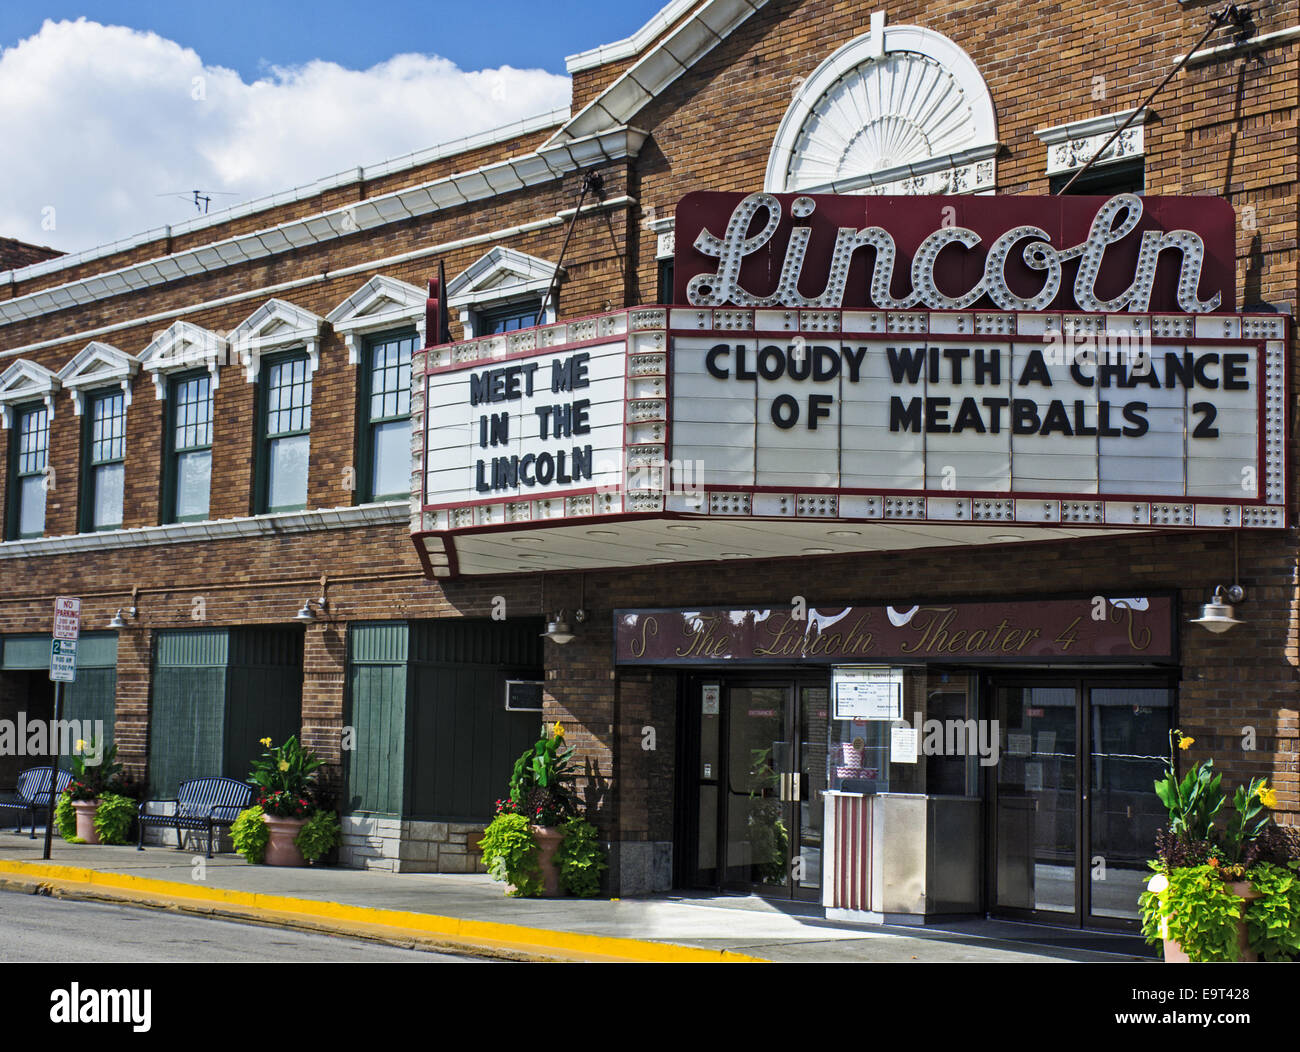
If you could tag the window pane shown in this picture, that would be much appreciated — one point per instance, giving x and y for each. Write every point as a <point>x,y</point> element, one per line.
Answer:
<point>31,506</point>
<point>193,484</point>
<point>33,441</point>
<point>392,465</point>
<point>289,401</point>
<point>193,408</point>
<point>287,486</point>
<point>390,379</point>
<point>108,429</point>
<point>108,496</point>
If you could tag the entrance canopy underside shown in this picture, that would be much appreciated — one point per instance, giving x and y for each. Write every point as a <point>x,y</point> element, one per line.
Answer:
<point>598,544</point>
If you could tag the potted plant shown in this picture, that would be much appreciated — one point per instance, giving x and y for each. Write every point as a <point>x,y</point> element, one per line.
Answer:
<point>538,844</point>
<point>91,782</point>
<point>1221,894</point>
<point>285,776</point>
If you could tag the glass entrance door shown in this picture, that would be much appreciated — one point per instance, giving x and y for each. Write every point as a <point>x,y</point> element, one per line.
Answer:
<point>1073,812</point>
<point>761,769</point>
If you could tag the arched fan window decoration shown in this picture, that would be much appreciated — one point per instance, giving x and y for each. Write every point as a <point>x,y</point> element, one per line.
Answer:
<point>901,110</point>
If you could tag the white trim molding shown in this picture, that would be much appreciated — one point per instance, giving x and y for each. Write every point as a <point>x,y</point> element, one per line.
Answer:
<point>1071,146</point>
<point>665,232</point>
<point>275,325</point>
<point>98,365</point>
<point>937,133</point>
<point>183,345</point>
<point>381,303</point>
<point>26,381</point>
<point>498,277</point>
<point>629,47</point>
<point>385,514</point>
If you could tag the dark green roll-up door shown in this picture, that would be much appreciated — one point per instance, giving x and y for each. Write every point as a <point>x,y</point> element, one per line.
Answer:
<point>216,692</point>
<point>264,693</point>
<point>187,713</point>
<point>92,699</point>
<point>463,743</point>
<point>377,679</point>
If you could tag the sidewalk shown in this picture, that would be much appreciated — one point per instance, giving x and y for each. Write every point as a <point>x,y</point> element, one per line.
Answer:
<point>470,913</point>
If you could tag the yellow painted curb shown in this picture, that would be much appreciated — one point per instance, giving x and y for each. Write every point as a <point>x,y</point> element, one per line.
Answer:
<point>512,938</point>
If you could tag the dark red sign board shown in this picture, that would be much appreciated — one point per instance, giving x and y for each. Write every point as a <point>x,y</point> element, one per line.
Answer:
<point>1056,630</point>
<point>909,221</point>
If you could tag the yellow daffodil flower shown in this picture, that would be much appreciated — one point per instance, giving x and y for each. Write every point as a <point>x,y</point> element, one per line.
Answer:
<point>266,742</point>
<point>1186,743</point>
<point>81,745</point>
<point>559,729</point>
<point>284,765</point>
<point>1267,797</point>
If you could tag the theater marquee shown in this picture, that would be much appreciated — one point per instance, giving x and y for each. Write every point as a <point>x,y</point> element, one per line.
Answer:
<point>801,385</point>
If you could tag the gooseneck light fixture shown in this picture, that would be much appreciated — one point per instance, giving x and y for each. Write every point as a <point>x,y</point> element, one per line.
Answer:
<point>305,614</point>
<point>119,622</point>
<point>1218,614</point>
<point>557,628</point>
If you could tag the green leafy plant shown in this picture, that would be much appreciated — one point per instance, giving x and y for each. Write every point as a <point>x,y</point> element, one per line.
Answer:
<point>113,818</point>
<point>92,780</point>
<point>1250,817</point>
<point>1192,802</point>
<point>510,854</point>
<point>65,819</point>
<point>540,785</point>
<point>250,835</point>
<point>1273,920</point>
<point>581,858</point>
<point>286,776</point>
<point>319,834</point>
<point>1197,909</point>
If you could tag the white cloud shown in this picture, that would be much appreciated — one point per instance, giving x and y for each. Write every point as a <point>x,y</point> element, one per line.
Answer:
<point>96,121</point>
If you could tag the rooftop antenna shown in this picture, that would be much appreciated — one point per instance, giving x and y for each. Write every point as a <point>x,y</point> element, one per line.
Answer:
<point>202,198</point>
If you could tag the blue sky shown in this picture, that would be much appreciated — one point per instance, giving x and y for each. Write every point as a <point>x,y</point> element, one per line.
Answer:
<point>110,112</point>
<point>245,35</point>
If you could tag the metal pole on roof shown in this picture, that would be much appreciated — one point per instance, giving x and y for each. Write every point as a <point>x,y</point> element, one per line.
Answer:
<point>1230,13</point>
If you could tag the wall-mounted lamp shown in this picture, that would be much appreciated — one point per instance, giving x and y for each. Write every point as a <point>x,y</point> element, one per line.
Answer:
<point>558,631</point>
<point>1217,614</point>
<point>132,612</point>
<point>305,614</point>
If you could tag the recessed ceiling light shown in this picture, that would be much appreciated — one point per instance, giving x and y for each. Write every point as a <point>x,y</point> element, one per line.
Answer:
<point>669,545</point>
<point>602,533</point>
<point>817,551</point>
<point>530,556</point>
<point>845,533</point>
<point>527,540</point>
<point>1005,538</point>
<point>683,526</point>
<point>735,555</point>
<point>662,559</point>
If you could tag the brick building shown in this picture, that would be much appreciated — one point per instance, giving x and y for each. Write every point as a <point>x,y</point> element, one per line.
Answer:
<point>210,427</point>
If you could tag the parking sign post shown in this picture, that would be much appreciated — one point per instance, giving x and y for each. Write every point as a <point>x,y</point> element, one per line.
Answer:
<point>63,669</point>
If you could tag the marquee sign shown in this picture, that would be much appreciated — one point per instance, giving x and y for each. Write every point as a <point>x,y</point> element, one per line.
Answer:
<point>778,398</point>
<point>1098,629</point>
<point>832,252</point>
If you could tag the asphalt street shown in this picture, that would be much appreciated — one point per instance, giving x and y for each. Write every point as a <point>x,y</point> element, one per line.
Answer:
<point>38,929</point>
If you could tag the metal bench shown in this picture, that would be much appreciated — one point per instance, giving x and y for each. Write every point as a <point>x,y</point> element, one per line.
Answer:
<point>33,793</point>
<point>201,803</point>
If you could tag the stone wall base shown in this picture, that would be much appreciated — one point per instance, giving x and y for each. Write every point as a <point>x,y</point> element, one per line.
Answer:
<point>397,845</point>
<point>639,867</point>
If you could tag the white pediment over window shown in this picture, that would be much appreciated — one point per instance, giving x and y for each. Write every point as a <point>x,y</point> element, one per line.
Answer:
<point>98,365</point>
<point>276,325</point>
<point>497,278</point>
<point>381,303</point>
<point>183,345</point>
<point>900,110</point>
<point>24,382</point>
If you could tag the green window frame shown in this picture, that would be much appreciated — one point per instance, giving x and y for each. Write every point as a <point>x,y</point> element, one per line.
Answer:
<point>29,453</point>
<point>1121,177</point>
<point>385,414</point>
<point>103,454</point>
<point>187,469</point>
<point>522,314</point>
<point>284,432</point>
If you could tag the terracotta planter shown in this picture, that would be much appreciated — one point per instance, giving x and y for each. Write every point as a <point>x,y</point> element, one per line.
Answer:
<point>85,812</point>
<point>1242,889</point>
<point>548,843</point>
<point>280,849</point>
